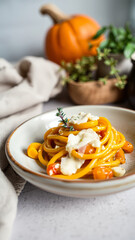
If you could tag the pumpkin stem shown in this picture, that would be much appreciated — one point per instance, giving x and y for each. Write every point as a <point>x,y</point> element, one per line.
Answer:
<point>55,13</point>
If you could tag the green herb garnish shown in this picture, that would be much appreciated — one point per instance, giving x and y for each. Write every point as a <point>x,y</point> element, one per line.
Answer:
<point>64,119</point>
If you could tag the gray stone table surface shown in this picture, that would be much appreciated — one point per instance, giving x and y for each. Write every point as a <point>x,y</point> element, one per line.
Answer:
<point>42,215</point>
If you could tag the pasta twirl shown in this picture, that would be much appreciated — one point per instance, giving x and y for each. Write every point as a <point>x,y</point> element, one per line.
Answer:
<point>88,159</point>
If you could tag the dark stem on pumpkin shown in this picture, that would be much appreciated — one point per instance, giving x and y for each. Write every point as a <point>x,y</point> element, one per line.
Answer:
<point>55,13</point>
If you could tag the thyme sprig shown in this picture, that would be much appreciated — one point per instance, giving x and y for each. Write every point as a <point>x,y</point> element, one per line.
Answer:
<point>64,119</point>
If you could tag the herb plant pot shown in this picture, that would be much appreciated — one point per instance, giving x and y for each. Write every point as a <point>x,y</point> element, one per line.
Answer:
<point>94,92</point>
<point>123,65</point>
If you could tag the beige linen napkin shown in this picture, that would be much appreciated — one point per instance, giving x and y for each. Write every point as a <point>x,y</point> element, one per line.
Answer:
<point>23,88</point>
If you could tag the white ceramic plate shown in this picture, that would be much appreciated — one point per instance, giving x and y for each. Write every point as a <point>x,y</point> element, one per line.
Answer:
<point>33,131</point>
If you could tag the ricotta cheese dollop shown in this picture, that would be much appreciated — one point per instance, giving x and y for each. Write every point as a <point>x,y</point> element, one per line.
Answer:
<point>82,118</point>
<point>81,139</point>
<point>69,164</point>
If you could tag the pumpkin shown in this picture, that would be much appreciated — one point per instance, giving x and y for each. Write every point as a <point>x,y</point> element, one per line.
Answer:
<point>69,38</point>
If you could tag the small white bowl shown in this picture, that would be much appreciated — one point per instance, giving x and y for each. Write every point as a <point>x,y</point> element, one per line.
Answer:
<point>33,131</point>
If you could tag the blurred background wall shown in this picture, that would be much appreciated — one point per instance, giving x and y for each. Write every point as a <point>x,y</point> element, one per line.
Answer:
<point>22,28</point>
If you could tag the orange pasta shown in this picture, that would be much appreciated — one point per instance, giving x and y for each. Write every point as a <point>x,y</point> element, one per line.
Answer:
<point>58,154</point>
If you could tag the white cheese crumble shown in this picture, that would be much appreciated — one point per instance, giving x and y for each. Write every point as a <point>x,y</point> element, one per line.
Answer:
<point>81,139</point>
<point>103,147</point>
<point>50,172</point>
<point>57,165</point>
<point>118,171</point>
<point>56,146</point>
<point>69,165</point>
<point>82,118</point>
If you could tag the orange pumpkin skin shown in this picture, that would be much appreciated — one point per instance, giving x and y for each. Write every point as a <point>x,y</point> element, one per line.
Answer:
<point>69,40</point>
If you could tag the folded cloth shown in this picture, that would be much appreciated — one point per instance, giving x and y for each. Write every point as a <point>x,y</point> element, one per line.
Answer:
<point>23,88</point>
<point>8,206</point>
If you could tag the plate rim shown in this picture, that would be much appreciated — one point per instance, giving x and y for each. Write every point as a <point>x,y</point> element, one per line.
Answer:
<point>12,159</point>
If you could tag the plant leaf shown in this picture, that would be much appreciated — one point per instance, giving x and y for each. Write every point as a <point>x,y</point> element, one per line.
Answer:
<point>103,80</point>
<point>104,44</point>
<point>130,48</point>
<point>99,32</point>
<point>114,32</point>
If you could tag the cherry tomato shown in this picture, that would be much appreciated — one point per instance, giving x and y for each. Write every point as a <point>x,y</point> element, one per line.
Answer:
<point>87,149</point>
<point>53,169</point>
<point>128,147</point>
<point>102,173</point>
<point>120,155</point>
<point>101,134</point>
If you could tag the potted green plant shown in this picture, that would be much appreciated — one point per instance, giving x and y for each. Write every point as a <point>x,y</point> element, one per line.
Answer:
<point>85,88</point>
<point>101,79</point>
<point>119,46</point>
